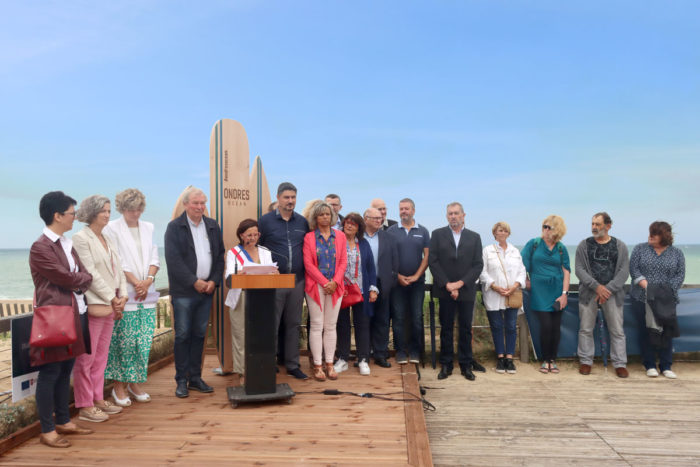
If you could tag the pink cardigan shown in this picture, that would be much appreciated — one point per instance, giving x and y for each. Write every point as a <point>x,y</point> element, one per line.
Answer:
<point>313,274</point>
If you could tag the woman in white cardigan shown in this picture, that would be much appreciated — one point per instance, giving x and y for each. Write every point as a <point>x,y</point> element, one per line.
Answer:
<point>245,253</point>
<point>106,298</point>
<point>133,334</point>
<point>503,274</point>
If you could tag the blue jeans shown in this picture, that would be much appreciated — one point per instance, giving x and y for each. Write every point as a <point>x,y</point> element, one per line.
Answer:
<point>407,315</point>
<point>191,316</point>
<point>503,323</point>
<point>647,350</point>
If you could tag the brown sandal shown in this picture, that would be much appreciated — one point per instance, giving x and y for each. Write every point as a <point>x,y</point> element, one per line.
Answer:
<point>330,371</point>
<point>56,442</point>
<point>319,375</point>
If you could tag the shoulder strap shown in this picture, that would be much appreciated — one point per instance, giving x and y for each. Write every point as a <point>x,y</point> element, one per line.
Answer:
<point>502,265</point>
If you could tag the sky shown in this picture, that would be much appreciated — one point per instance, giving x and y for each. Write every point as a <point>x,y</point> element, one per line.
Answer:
<point>516,109</point>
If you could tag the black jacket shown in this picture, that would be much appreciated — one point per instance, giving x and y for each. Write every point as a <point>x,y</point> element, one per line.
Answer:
<point>181,258</point>
<point>388,262</point>
<point>451,264</point>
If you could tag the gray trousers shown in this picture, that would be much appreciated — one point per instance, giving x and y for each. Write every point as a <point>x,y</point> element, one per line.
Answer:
<point>614,320</point>
<point>289,304</point>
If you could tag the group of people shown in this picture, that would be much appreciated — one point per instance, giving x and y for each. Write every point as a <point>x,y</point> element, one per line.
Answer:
<point>361,268</point>
<point>106,274</point>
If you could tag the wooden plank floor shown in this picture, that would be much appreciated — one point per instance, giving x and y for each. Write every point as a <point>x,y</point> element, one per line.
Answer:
<point>566,419</point>
<point>204,430</point>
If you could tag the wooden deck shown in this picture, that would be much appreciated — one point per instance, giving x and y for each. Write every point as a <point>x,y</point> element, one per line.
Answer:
<point>566,419</point>
<point>204,430</point>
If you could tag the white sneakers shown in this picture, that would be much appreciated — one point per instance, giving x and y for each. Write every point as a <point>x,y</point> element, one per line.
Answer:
<point>340,366</point>
<point>364,367</point>
<point>652,373</point>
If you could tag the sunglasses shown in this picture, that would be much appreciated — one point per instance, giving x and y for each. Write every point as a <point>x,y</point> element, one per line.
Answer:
<point>547,227</point>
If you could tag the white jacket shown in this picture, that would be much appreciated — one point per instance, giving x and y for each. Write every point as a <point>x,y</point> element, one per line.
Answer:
<point>232,264</point>
<point>493,273</point>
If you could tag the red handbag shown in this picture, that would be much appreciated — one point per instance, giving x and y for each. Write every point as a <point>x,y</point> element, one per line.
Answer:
<point>352,294</point>
<point>53,325</point>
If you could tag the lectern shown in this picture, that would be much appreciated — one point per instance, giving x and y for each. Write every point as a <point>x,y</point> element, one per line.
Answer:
<point>260,338</point>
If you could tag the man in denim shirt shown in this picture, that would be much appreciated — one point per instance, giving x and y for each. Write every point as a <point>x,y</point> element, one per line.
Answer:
<point>282,232</point>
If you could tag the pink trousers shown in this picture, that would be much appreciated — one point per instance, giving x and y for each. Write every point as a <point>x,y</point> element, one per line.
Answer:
<point>89,370</point>
<point>322,335</point>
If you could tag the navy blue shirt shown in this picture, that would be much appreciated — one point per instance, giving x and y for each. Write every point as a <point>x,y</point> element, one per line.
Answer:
<point>285,239</point>
<point>410,246</point>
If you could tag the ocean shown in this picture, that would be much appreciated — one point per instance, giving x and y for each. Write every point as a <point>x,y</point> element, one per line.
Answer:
<point>16,280</point>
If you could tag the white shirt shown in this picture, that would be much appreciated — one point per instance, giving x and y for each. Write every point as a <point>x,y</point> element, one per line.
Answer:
<point>67,245</point>
<point>201,248</point>
<point>457,236</point>
<point>232,265</point>
<point>493,273</point>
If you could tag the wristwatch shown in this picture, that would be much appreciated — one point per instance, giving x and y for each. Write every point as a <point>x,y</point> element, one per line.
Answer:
<point>153,278</point>
<point>565,292</point>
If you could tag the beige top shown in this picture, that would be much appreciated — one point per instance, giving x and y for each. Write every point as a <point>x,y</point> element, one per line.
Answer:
<point>104,265</point>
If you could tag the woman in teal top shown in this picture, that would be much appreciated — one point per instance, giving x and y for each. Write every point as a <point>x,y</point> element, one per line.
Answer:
<point>547,263</point>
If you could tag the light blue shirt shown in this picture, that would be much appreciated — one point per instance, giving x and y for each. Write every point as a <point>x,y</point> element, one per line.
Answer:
<point>201,248</point>
<point>457,236</point>
<point>373,241</point>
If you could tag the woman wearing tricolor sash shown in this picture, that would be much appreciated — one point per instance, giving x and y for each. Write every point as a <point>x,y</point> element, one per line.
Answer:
<point>247,252</point>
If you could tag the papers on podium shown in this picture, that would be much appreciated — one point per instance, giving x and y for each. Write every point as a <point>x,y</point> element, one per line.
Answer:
<point>259,269</point>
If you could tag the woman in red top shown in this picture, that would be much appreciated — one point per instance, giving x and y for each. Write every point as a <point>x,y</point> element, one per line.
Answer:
<point>325,259</point>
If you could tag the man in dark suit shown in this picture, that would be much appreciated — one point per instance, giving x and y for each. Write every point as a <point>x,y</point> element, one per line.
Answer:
<point>456,263</point>
<point>380,205</point>
<point>333,201</point>
<point>386,262</point>
<point>194,253</point>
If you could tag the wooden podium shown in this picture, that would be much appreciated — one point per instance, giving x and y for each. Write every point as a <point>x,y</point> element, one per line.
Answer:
<point>260,338</point>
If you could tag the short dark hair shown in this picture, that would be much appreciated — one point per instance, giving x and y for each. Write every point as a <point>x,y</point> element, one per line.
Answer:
<point>285,186</point>
<point>243,226</point>
<point>606,217</point>
<point>332,196</point>
<point>663,230</point>
<point>356,218</point>
<point>54,202</point>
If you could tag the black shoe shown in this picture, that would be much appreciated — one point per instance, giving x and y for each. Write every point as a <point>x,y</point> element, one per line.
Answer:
<point>444,373</point>
<point>382,362</point>
<point>476,366</point>
<point>467,373</point>
<point>501,365</point>
<point>510,368</point>
<point>181,390</point>
<point>297,373</point>
<point>198,384</point>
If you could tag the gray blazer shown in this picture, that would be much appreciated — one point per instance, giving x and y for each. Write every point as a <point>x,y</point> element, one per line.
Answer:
<point>587,284</point>
<point>107,274</point>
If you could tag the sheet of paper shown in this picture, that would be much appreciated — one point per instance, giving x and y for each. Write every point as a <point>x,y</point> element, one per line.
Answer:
<point>260,268</point>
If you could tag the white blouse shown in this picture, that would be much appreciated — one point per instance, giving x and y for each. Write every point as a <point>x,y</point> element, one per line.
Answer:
<point>232,264</point>
<point>493,273</point>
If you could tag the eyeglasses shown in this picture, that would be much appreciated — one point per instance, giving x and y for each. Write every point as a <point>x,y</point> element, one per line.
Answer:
<point>69,213</point>
<point>373,218</point>
<point>547,227</point>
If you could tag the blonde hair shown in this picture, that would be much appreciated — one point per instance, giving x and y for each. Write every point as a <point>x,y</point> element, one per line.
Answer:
<point>316,210</point>
<point>501,224</point>
<point>558,226</point>
<point>130,199</point>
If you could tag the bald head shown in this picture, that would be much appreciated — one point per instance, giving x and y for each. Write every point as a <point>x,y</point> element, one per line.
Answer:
<point>380,205</point>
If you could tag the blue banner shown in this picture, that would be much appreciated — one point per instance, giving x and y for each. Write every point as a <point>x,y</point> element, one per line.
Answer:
<point>688,312</point>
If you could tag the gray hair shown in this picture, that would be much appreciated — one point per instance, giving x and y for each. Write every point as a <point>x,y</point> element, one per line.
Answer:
<point>189,192</point>
<point>130,199</point>
<point>316,210</point>
<point>90,207</point>
<point>456,203</point>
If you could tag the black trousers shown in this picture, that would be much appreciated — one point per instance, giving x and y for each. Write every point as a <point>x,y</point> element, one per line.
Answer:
<point>550,333</point>
<point>379,324</point>
<point>53,394</point>
<point>360,321</point>
<point>464,312</point>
